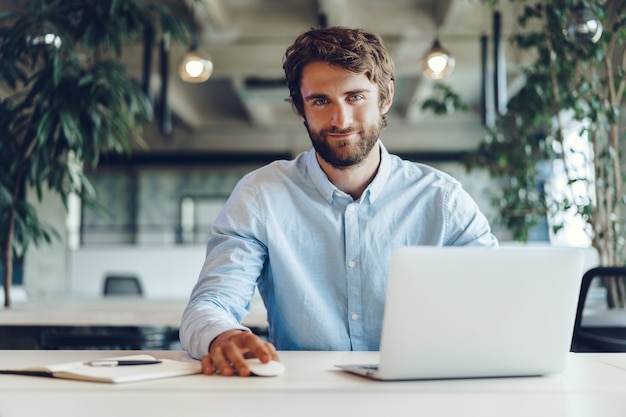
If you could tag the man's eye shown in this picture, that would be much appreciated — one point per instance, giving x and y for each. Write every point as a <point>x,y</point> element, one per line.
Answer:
<point>356,97</point>
<point>320,101</point>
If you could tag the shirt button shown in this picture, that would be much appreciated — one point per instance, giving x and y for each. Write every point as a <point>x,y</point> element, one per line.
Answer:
<point>352,264</point>
<point>355,316</point>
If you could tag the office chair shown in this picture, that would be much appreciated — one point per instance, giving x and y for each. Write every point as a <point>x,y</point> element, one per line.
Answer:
<point>609,338</point>
<point>122,285</point>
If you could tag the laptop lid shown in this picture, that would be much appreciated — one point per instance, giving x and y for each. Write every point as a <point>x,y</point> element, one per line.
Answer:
<point>466,312</point>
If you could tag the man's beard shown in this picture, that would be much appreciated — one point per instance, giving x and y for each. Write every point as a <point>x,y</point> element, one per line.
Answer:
<point>345,153</point>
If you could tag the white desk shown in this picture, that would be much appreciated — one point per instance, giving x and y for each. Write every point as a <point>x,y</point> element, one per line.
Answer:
<point>593,385</point>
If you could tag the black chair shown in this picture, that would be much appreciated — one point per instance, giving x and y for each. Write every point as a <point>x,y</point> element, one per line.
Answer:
<point>599,337</point>
<point>122,285</point>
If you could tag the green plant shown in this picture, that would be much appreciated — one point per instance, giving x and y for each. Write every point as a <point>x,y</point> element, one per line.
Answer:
<point>570,84</point>
<point>64,99</point>
<point>514,152</point>
<point>443,101</point>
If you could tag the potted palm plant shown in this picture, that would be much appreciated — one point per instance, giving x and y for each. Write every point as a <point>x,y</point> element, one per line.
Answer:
<point>65,99</point>
<point>574,89</point>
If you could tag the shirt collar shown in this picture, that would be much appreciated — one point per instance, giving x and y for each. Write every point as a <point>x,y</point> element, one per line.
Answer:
<point>327,189</point>
<point>380,180</point>
<point>323,185</point>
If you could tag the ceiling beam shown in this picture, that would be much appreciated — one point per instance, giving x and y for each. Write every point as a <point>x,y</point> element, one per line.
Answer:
<point>213,21</point>
<point>211,12</point>
<point>258,110</point>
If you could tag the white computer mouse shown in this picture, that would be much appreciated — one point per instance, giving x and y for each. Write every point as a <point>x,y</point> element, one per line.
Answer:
<point>258,368</point>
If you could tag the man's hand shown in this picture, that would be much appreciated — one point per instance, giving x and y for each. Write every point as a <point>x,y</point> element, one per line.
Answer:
<point>229,350</point>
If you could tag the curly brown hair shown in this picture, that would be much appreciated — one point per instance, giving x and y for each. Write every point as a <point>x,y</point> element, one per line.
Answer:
<point>354,50</point>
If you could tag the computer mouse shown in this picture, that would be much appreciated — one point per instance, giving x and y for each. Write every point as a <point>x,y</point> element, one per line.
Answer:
<point>258,368</point>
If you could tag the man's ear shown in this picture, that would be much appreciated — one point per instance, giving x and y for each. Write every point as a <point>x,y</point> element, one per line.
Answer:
<point>387,104</point>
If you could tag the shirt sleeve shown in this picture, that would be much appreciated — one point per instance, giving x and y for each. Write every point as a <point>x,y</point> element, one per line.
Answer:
<point>465,223</point>
<point>234,260</point>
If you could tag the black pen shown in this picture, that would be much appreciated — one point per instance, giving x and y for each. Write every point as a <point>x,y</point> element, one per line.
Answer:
<point>108,362</point>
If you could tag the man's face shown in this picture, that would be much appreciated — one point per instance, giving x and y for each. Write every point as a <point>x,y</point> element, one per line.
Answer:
<point>342,113</point>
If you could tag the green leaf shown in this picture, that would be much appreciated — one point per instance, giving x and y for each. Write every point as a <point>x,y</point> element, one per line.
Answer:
<point>46,126</point>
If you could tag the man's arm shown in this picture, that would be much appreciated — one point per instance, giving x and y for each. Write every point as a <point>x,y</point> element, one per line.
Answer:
<point>235,258</point>
<point>467,224</point>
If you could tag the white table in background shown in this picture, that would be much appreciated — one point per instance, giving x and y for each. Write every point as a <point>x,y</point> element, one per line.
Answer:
<point>116,311</point>
<point>31,324</point>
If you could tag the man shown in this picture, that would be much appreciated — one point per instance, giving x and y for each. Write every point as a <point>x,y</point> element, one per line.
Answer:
<point>316,233</point>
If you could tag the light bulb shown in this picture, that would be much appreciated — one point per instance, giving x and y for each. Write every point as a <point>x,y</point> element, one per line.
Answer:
<point>583,25</point>
<point>437,63</point>
<point>195,68</point>
<point>42,36</point>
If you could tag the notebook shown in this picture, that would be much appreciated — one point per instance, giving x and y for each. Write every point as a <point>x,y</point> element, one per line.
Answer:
<point>165,368</point>
<point>471,312</point>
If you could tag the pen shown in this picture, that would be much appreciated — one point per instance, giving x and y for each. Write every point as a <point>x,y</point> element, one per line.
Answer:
<point>120,363</point>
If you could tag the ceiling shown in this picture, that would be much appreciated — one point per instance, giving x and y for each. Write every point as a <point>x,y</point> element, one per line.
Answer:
<point>242,106</point>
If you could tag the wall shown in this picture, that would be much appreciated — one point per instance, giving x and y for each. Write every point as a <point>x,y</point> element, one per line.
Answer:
<point>144,204</point>
<point>46,266</point>
<point>166,272</point>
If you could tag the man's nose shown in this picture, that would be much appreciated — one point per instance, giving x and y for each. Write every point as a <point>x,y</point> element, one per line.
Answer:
<point>341,117</point>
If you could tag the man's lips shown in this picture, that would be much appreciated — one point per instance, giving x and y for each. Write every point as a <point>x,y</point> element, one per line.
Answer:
<point>341,136</point>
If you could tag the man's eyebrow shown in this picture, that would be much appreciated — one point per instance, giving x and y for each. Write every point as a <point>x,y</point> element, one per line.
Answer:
<point>360,90</point>
<point>315,96</point>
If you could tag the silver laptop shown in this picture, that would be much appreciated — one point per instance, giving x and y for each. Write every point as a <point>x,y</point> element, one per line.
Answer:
<point>471,312</point>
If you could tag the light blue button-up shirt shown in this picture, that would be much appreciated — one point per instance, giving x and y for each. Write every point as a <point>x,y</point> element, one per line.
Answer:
<point>320,258</point>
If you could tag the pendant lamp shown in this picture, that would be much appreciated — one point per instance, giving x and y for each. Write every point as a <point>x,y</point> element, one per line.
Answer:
<point>437,63</point>
<point>583,25</point>
<point>195,66</point>
<point>41,35</point>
